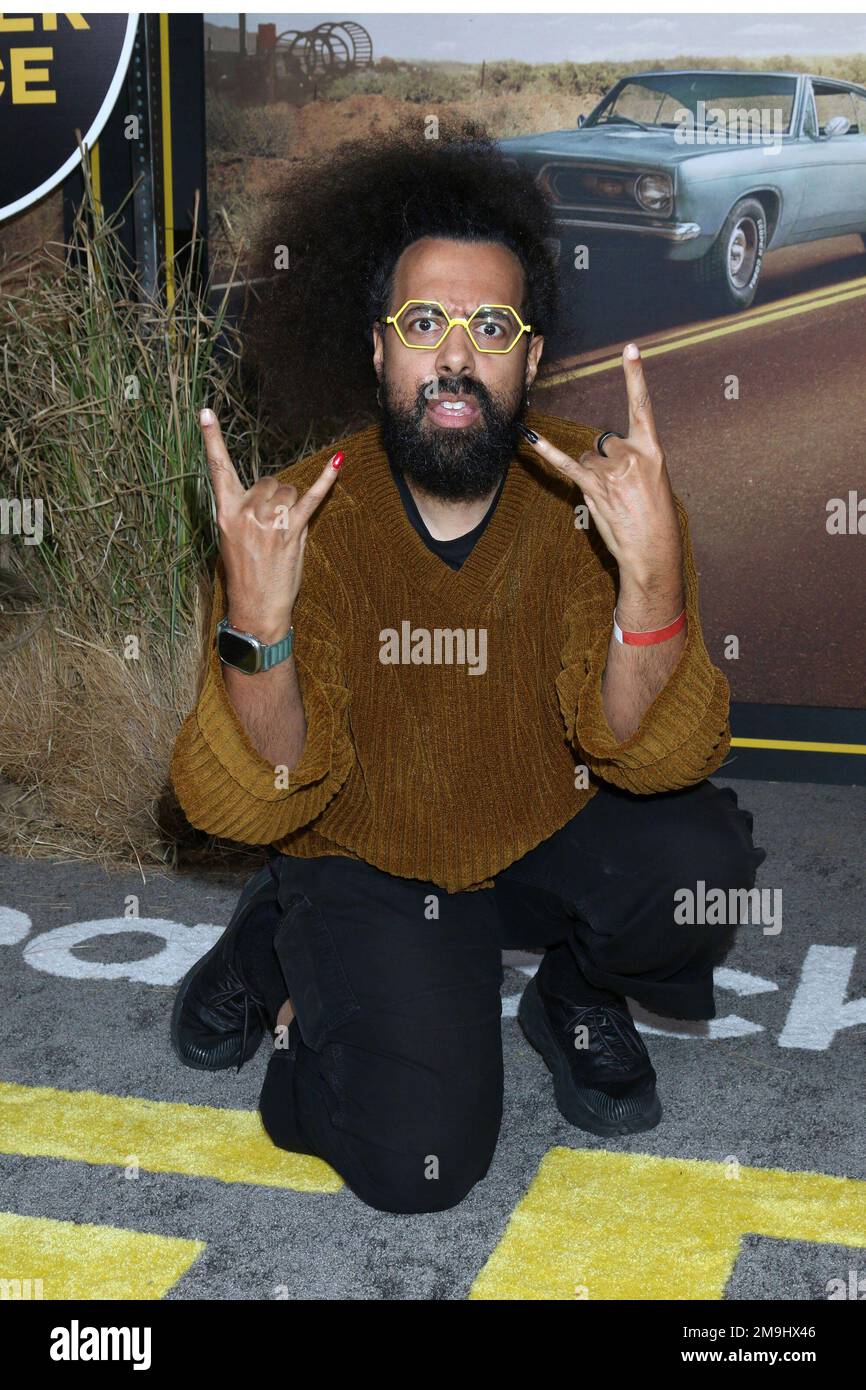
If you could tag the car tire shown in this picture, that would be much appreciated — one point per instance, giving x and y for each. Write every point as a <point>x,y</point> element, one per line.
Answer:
<point>727,276</point>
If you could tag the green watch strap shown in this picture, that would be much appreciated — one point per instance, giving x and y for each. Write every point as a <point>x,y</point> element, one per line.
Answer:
<point>276,652</point>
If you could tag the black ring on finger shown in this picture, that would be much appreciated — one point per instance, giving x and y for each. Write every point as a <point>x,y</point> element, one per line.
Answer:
<point>599,448</point>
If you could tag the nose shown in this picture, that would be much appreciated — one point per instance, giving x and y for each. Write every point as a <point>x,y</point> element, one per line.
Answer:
<point>455,355</point>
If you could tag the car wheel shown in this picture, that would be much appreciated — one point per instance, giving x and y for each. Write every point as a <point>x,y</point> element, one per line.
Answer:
<point>728,275</point>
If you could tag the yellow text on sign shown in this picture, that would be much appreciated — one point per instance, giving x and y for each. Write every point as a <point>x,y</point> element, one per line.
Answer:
<point>26,23</point>
<point>601,1225</point>
<point>27,84</point>
<point>22,75</point>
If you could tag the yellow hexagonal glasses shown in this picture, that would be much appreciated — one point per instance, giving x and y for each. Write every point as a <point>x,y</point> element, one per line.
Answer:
<point>425,324</point>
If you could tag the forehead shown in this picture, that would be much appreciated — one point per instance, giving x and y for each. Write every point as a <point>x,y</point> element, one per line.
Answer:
<point>459,274</point>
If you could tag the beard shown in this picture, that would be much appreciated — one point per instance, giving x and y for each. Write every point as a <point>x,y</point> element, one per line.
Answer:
<point>454,464</point>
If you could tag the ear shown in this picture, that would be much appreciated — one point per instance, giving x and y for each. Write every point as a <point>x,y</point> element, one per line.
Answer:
<point>533,357</point>
<point>378,349</point>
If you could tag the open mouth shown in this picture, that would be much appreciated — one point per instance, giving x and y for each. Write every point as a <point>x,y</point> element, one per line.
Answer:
<point>452,411</point>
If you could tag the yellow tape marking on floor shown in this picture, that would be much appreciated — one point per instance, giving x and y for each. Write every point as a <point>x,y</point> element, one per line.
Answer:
<point>634,1226</point>
<point>798,747</point>
<point>66,1260</point>
<point>162,1137</point>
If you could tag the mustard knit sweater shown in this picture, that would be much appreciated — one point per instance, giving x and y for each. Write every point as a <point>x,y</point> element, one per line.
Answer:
<point>447,710</point>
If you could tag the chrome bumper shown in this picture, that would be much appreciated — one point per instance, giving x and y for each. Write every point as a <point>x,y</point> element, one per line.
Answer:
<point>668,231</point>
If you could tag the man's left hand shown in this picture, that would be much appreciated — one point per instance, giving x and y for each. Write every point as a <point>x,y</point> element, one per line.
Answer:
<point>627,490</point>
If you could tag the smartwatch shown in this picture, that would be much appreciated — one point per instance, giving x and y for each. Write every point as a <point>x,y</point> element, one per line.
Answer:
<point>246,653</point>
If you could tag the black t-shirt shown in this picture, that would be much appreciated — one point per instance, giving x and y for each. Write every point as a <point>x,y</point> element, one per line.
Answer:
<point>453,552</point>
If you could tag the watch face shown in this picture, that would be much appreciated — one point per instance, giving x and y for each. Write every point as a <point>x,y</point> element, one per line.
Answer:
<point>238,651</point>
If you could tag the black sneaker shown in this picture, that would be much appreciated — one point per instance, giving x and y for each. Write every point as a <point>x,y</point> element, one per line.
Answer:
<point>608,1087</point>
<point>219,1018</point>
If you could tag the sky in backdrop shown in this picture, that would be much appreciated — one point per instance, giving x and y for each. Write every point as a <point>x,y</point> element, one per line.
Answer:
<point>551,38</point>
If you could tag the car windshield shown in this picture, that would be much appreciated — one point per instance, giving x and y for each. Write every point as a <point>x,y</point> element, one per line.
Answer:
<point>743,102</point>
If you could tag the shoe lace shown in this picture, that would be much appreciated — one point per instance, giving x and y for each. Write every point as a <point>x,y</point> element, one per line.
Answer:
<point>606,1022</point>
<point>235,986</point>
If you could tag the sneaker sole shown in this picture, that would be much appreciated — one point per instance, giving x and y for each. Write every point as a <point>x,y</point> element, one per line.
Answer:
<point>582,1105</point>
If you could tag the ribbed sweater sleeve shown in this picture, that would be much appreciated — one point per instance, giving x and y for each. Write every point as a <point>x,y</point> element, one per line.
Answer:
<point>684,734</point>
<point>222,782</point>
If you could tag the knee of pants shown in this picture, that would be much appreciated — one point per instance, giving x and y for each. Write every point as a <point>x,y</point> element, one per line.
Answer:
<point>720,849</point>
<point>393,1159</point>
<point>426,1149</point>
<point>425,1153</point>
<point>408,1185</point>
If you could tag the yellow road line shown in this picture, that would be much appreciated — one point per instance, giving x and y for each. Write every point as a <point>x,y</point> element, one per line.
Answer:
<point>739,325</point>
<point>805,297</point>
<point>600,1225</point>
<point>825,292</point>
<point>160,1136</point>
<point>40,1258</point>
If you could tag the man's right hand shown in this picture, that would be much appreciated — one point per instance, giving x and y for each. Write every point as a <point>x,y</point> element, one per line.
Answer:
<point>264,533</point>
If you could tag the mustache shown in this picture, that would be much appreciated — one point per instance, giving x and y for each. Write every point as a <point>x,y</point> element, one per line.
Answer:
<point>455,386</point>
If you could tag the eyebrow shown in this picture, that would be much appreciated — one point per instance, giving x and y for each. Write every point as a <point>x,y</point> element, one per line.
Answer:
<point>455,313</point>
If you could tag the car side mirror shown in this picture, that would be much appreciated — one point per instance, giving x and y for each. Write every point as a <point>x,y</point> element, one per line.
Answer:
<point>837,125</point>
<point>580,121</point>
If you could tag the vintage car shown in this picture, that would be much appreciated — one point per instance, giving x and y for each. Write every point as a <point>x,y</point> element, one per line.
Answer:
<point>707,168</point>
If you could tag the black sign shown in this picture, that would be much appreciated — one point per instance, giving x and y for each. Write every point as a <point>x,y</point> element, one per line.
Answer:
<point>58,73</point>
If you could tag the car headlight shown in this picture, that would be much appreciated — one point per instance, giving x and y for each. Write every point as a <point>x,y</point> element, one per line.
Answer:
<point>655,192</point>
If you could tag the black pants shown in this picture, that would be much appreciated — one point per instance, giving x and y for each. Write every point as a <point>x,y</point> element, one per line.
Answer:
<point>393,1069</point>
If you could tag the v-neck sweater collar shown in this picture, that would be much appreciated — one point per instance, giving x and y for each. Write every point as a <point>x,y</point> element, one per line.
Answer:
<point>459,547</point>
<point>482,570</point>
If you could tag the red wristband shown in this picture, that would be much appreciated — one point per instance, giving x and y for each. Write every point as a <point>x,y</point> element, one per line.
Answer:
<point>648,639</point>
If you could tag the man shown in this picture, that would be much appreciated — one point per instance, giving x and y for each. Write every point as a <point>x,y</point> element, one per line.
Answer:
<point>488,718</point>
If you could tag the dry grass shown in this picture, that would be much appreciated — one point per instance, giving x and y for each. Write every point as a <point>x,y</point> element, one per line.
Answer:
<point>85,741</point>
<point>102,623</point>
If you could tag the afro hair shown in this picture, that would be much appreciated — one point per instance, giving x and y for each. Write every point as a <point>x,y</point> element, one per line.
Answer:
<point>329,241</point>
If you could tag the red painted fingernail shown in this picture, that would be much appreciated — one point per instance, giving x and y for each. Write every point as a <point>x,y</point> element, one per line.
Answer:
<point>337,460</point>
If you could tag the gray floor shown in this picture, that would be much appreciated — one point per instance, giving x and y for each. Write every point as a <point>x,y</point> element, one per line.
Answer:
<point>783,1087</point>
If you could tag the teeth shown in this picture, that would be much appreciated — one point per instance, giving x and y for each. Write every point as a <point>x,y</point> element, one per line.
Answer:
<point>453,405</point>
